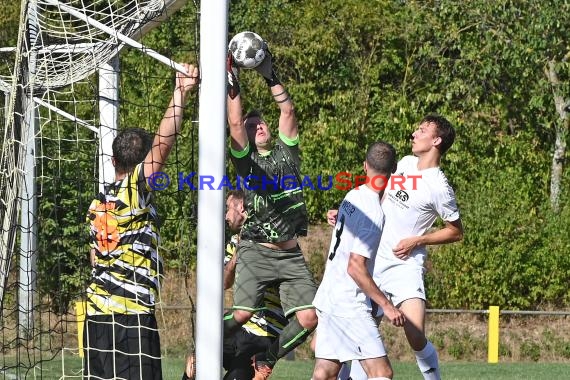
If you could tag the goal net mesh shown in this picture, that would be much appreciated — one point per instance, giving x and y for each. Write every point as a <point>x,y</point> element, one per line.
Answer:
<point>51,108</point>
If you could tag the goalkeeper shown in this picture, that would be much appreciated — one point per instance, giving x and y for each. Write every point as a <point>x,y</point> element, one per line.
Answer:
<point>269,253</point>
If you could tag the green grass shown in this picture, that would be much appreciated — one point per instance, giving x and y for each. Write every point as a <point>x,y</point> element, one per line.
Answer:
<point>302,370</point>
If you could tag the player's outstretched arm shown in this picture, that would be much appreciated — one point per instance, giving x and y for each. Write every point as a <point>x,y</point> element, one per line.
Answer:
<point>287,120</point>
<point>358,270</point>
<point>172,120</point>
<point>235,113</point>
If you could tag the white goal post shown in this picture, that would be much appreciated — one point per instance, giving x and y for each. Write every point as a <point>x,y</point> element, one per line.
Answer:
<point>211,161</point>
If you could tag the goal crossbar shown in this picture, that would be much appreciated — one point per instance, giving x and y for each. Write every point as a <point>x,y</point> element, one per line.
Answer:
<point>119,36</point>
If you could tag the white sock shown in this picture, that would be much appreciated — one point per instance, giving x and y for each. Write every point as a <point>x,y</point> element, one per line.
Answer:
<point>428,362</point>
<point>357,372</point>
<point>379,378</point>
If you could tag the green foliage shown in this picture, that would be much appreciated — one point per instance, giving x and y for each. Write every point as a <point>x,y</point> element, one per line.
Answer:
<point>482,66</point>
<point>530,350</point>
<point>10,21</point>
<point>460,345</point>
<point>362,71</point>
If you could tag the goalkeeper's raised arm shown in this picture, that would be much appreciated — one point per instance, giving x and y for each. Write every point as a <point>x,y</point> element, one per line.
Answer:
<point>287,120</point>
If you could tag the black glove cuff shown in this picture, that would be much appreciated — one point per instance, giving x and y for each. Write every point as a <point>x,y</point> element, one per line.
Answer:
<point>273,81</point>
<point>232,86</point>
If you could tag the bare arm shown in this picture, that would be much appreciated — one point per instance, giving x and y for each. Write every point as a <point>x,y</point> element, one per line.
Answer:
<point>230,272</point>
<point>287,120</point>
<point>359,272</point>
<point>237,128</point>
<point>171,122</point>
<point>238,132</point>
<point>450,233</point>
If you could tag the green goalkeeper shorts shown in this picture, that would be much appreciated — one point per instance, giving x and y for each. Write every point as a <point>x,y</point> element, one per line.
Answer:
<point>259,267</point>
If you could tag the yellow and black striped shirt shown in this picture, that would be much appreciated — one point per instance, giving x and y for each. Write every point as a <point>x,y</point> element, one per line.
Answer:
<point>124,233</point>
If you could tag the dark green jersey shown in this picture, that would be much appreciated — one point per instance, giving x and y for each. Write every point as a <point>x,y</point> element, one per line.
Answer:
<point>276,210</point>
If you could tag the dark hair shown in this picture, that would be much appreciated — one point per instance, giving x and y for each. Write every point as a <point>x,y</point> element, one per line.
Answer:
<point>252,113</point>
<point>381,157</point>
<point>238,194</point>
<point>444,130</point>
<point>130,148</point>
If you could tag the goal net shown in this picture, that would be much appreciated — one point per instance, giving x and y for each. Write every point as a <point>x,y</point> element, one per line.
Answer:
<point>80,71</point>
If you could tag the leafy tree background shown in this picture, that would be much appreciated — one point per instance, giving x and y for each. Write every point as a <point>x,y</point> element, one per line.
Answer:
<point>361,71</point>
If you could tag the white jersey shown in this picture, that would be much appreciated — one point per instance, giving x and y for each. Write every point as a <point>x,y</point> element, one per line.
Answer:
<point>413,210</point>
<point>359,226</point>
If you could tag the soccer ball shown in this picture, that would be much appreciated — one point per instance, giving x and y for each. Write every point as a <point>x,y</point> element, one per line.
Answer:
<point>248,49</point>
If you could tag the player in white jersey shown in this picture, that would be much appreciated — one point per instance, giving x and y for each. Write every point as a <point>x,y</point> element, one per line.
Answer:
<point>348,296</point>
<point>410,212</point>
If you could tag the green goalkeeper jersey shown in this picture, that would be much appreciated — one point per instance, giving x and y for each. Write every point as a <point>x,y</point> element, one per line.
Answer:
<point>276,209</point>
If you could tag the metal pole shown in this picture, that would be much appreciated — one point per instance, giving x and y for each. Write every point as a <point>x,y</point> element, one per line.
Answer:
<point>108,116</point>
<point>28,194</point>
<point>211,161</point>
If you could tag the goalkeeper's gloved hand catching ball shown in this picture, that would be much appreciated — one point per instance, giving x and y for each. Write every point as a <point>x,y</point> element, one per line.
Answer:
<point>265,68</point>
<point>232,71</point>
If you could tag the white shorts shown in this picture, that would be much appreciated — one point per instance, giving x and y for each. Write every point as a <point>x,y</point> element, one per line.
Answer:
<point>401,282</point>
<point>345,339</point>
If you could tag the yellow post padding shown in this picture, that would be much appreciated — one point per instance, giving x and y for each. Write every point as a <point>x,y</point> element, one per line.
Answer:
<point>493,355</point>
<point>80,313</point>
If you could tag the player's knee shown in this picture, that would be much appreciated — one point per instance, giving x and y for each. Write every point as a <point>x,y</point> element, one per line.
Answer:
<point>307,318</point>
<point>242,316</point>
<point>386,373</point>
<point>383,371</point>
<point>322,374</point>
<point>416,337</point>
<point>417,342</point>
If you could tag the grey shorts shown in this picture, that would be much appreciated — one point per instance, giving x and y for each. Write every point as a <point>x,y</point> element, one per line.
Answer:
<point>259,267</point>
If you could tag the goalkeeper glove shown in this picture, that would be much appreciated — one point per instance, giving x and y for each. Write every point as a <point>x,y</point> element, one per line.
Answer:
<point>232,76</point>
<point>266,69</point>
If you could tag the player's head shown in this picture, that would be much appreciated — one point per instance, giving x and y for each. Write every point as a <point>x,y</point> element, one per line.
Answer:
<point>257,130</point>
<point>433,131</point>
<point>235,210</point>
<point>381,159</point>
<point>130,147</point>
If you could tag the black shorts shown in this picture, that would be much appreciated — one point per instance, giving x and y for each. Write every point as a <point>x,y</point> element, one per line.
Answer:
<point>121,346</point>
<point>238,351</point>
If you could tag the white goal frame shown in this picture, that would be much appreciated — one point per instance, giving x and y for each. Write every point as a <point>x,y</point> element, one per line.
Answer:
<point>212,142</point>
